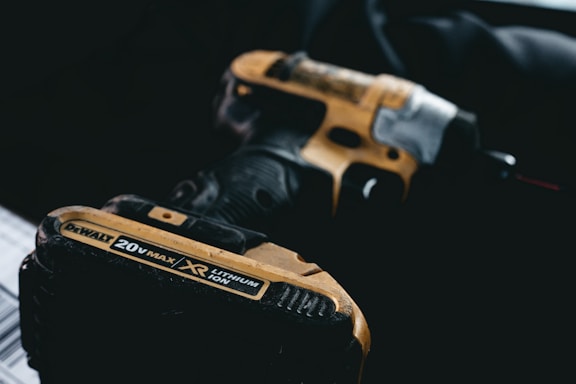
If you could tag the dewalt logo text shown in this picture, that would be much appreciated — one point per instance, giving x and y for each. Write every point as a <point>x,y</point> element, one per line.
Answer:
<point>88,232</point>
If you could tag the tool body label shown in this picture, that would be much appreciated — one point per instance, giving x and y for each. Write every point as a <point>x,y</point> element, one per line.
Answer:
<point>138,250</point>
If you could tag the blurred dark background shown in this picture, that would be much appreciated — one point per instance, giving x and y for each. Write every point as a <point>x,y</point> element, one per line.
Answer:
<point>100,98</point>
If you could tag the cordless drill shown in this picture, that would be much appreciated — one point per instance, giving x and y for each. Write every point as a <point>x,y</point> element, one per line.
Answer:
<point>192,289</point>
<point>324,137</point>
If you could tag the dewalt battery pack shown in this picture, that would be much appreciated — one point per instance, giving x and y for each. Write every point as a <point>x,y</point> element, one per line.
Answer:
<point>141,292</point>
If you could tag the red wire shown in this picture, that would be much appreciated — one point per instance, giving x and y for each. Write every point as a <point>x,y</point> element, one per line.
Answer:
<point>539,183</point>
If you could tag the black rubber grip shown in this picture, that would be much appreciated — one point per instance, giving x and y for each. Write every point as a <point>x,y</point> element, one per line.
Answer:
<point>244,189</point>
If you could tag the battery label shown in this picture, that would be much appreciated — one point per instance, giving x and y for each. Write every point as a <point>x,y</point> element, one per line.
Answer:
<point>193,267</point>
<point>189,266</point>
